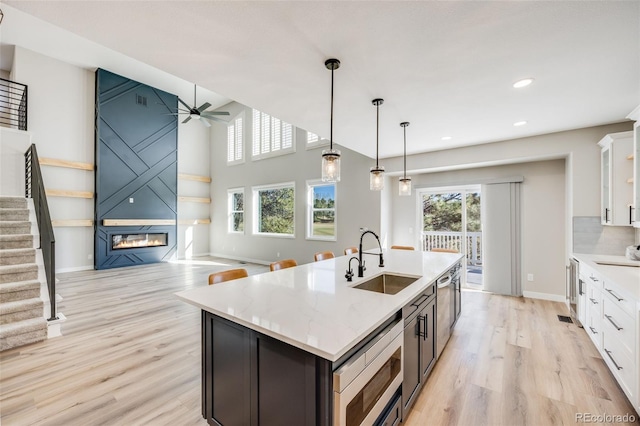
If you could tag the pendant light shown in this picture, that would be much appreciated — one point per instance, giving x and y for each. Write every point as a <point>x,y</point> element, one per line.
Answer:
<point>376,176</point>
<point>331,157</point>
<point>405,182</point>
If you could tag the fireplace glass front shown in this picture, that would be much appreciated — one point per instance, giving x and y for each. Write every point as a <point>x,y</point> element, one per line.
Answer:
<point>129,241</point>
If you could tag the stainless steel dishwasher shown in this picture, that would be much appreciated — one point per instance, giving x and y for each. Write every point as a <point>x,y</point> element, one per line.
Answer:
<point>443,322</point>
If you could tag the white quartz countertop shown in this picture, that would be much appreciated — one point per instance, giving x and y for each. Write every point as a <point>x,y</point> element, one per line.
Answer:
<point>622,271</point>
<point>312,306</point>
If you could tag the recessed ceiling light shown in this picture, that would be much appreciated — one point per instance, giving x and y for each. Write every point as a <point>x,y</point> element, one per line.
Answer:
<point>446,138</point>
<point>522,83</point>
<point>519,123</point>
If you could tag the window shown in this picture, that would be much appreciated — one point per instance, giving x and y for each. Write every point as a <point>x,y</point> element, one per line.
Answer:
<point>271,136</point>
<point>274,212</point>
<point>235,140</point>
<point>236,210</point>
<point>314,141</point>
<point>321,211</point>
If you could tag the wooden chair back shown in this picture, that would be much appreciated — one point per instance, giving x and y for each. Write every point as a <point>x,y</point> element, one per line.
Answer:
<point>350,250</point>
<point>445,250</point>
<point>228,275</point>
<point>282,264</point>
<point>402,248</point>
<point>323,255</point>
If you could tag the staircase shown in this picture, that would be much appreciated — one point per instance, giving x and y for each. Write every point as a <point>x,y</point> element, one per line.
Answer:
<point>22,319</point>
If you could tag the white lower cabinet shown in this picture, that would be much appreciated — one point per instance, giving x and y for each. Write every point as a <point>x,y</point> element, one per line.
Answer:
<point>612,322</point>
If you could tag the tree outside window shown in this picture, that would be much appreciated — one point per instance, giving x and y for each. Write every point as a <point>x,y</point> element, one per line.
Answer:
<point>321,205</point>
<point>236,210</point>
<point>275,210</point>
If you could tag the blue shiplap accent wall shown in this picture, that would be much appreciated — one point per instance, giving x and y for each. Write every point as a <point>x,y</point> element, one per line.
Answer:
<point>136,158</point>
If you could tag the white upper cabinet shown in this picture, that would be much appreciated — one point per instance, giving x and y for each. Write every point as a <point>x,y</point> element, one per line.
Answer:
<point>635,115</point>
<point>617,182</point>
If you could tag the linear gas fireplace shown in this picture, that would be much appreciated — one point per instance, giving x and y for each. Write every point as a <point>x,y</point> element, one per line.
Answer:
<point>131,241</point>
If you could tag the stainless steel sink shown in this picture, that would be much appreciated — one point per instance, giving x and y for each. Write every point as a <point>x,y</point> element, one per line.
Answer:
<point>387,283</point>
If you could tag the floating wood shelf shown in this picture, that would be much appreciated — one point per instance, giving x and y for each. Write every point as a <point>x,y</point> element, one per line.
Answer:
<point>630,180</point>
<point>197,178</point>
<point>195,200</point>
<point>65,193</point>
<point>631,157</point>
<point>137,222</point>
<point>66,164</point>
<point>71,222</point>
<point>194,221</point>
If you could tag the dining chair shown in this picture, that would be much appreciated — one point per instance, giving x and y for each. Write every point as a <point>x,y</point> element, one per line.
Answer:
<point>282,264</point>
<point>228,275</point>
<point>323,255</point>
<point>402,248</point>
<point>350,250</point>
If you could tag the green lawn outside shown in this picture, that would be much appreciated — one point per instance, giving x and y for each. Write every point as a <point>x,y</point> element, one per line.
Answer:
<point>324,229</point>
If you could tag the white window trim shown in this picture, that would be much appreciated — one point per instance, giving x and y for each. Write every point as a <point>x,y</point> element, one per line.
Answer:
<point>230,212</point>
<point>256,209</point>
<point>281,151</point>
<point>310,185</point>
<point>320,143</point>
<point>244,138</point>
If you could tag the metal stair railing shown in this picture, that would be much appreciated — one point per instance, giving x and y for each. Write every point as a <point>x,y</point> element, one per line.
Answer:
<point>34,189</point>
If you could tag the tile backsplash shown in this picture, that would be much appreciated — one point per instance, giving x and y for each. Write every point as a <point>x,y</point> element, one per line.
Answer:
<point>591,237</point>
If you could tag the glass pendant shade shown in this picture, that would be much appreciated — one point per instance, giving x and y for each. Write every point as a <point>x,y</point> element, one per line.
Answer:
<point>404,186</point>
<point>331,165</point>
<point>376,178</point>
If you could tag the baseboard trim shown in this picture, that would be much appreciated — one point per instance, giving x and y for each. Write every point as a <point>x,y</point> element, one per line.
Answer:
<point>544,296</point>
<point>74,269</point>
<point>242,259</point>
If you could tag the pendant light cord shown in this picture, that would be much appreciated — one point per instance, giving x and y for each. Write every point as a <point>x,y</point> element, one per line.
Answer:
<point>331,126</point>
<point>377,130</point>
<point>405,152</point>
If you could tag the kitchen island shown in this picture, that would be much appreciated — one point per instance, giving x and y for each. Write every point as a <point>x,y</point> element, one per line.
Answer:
<point>272,341</point>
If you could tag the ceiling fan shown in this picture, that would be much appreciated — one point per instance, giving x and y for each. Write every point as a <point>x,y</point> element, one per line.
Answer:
<point>200,113</point>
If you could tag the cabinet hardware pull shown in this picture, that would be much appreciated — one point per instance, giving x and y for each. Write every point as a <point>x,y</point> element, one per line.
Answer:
<point>420,333</point>
<point>614,295</point>
<point>594,279</point>
<point>580,292</point>
<point>594,301</point>
<point>611,321</point>
<point>419,302</point>
<point>631,209</point>
<point>612,360</point>
<point>606,215</point>
<point>593,330</point>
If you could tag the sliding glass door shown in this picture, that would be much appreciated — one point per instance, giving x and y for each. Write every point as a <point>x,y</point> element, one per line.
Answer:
<point>451,221</point>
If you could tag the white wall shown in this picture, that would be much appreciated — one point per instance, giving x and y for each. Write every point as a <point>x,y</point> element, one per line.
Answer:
<point>13,145</point>
<point>357,206</point>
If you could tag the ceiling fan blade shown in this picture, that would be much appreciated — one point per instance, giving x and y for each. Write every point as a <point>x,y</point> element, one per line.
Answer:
<point>204,106</point>
<point>217,113</point>
<point>213,118</point>
<point>183,103</point>
<point>186,119</point>
<point>184,110</point>
<point>206,123</point>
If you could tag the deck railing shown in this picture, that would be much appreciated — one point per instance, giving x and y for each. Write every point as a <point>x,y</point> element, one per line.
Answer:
<point>453,240</point>
<point>13,104</point>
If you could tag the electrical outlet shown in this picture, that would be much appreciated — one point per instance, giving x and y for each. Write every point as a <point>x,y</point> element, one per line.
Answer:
<point>130,200</point>
<point>278,254</point>
<point>529,277</point>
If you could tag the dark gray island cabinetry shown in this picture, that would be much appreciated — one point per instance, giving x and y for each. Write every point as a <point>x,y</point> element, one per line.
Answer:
<point>253,379</point>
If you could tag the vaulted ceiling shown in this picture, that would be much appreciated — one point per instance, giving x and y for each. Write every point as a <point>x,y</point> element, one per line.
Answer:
<point>447,67</point>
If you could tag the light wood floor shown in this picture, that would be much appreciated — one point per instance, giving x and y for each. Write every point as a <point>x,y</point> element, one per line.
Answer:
<point>130,355</point>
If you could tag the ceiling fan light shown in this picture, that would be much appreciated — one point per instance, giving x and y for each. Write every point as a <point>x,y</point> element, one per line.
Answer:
<point>331,165</point>
<point>404,187</point>
<point>376,178</point>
